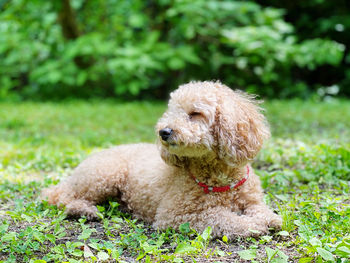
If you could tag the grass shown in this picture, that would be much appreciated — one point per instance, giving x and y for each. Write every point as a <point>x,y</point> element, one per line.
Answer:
<point>304,169</point>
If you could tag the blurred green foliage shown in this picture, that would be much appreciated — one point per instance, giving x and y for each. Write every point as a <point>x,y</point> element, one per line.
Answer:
<point>143,49</point>
<point>321,19</point>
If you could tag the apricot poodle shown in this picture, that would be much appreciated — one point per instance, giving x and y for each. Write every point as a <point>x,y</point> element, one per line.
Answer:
<point>199,172</point>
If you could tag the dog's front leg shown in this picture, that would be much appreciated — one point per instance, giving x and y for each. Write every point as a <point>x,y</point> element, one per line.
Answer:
<point>222,220</point>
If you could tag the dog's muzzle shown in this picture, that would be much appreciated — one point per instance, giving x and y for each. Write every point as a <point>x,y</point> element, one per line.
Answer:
<point>165,133</point>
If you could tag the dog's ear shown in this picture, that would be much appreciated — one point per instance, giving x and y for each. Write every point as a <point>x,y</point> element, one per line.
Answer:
<point>240,128</point>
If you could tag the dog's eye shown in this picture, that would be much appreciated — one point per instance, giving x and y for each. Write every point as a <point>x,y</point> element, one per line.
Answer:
<point>194,114</point>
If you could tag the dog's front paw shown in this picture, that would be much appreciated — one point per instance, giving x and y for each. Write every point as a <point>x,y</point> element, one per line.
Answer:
<point>253,230</point>
<point>275,222</point>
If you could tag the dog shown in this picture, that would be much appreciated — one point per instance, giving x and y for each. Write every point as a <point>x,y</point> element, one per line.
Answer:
<point>198,172</point>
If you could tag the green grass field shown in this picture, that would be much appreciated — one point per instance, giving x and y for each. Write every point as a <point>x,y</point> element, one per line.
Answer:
<point>304,169</point>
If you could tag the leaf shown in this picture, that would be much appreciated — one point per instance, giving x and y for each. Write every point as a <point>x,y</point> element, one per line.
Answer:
<point>9,237</point>
<point>270,253</point>
<point>225,239</point>
<point>279,260</point>
<point>27,218</point>
<point>265,239</point>
<point>3,228</point>
<point>39,236</point>
<point>185,228</point>
<point>100,208</point>
<point>304,232</point>
<point>298,222</point>
<point>115,253</point>
<point>326,255</point>
<point>77,253</point>
<point>247,254</point>
<point>77,244</point>
<point>87,252</point>
<point>343,251</point>
<point>206,233</point>
<point>176,63</point>
<point>184,248</point>
<point>283,233</point>
<point>113,204</point>
<point>102,255</point>
<point>58,249</point>
<point>85,234</point>
<point>315,242</point>
<point>147,247</point>
<point>282,257</point>
<point>51,238</point>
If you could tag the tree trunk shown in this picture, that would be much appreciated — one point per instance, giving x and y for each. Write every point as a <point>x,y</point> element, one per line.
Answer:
<point>66,18</point>
<point>70,31</point>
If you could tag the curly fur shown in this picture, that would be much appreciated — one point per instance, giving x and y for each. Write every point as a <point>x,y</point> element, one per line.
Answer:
<point>216,133</point>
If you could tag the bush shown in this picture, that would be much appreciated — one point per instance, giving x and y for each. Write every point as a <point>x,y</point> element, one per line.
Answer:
<point>138,48</point>
<point>321,19</point>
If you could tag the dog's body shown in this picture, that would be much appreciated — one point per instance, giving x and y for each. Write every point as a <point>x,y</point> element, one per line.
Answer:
<point>202,147</point>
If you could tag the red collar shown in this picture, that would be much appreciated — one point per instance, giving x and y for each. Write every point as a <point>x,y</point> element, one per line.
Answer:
<point>207,189</point>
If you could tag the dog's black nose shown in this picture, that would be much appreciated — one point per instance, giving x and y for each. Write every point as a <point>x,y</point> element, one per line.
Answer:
<point>165,133</point>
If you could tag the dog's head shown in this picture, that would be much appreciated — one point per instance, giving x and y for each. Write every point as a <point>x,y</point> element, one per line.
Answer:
<point>208,119</point>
